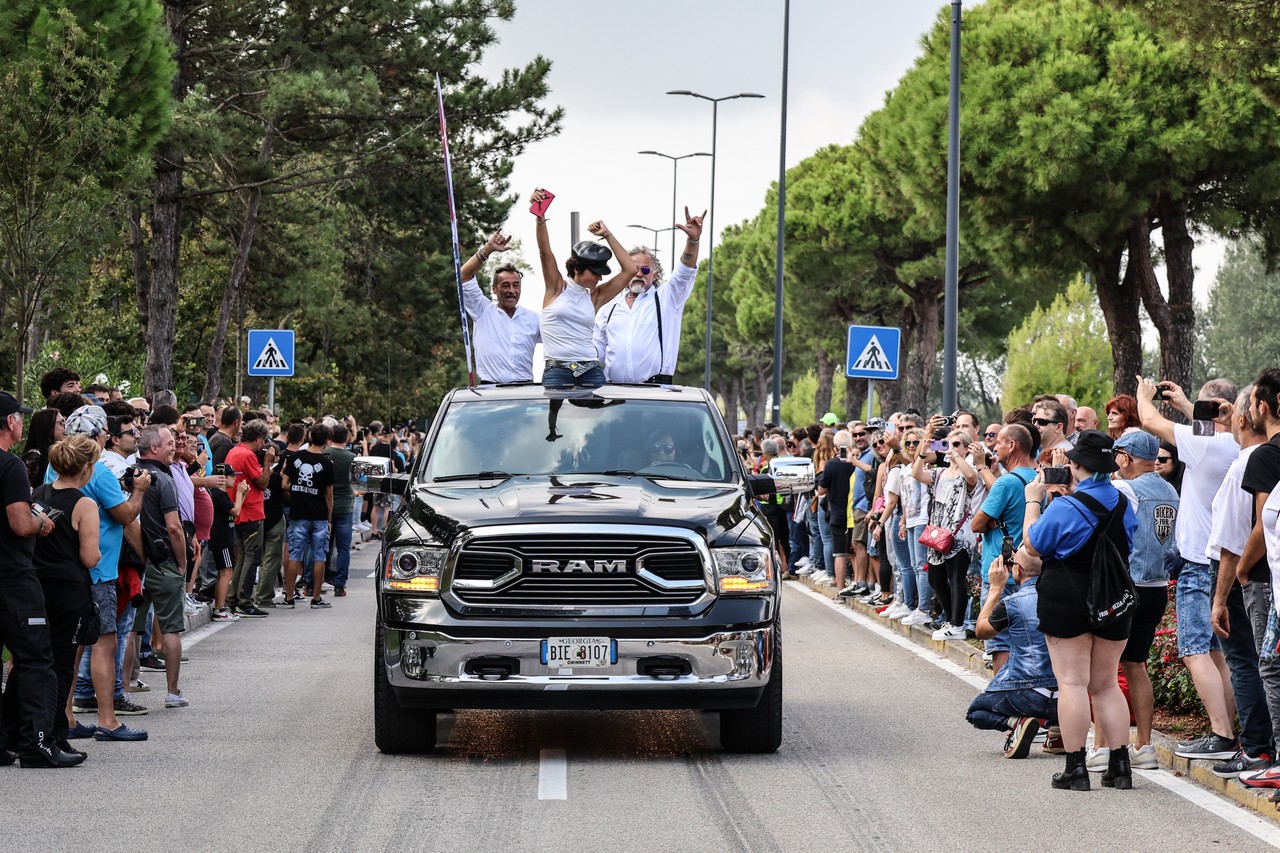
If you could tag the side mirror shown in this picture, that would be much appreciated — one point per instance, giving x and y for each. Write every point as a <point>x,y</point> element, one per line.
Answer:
<point>791,475</point>
<point>389,484</point>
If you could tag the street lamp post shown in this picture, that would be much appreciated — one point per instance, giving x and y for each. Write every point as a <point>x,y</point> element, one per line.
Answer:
<point>711,214</point>
<point>675,165</point>
<point>656,232</point>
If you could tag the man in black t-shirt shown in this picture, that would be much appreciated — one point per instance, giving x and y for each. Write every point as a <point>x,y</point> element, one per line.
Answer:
<point>1262,471</point>
<point>31,698</point>
<point>833,485</point>
<point>308,479</point>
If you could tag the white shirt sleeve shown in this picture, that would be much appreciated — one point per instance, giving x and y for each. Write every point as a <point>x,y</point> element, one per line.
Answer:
<point>1232,515</point>
<point>680,285</point>
<point>474,300</point>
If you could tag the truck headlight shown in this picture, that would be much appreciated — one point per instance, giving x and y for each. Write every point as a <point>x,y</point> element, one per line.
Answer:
<point>414,568</point>
<point>743,570</point>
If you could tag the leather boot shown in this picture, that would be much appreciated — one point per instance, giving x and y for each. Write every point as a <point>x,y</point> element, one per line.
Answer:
<point>1118,774</point>
<point>1076,775</point>
<point>66,747</point>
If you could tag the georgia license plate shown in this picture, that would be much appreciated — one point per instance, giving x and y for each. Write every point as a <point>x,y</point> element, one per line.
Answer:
<point>579,652</point>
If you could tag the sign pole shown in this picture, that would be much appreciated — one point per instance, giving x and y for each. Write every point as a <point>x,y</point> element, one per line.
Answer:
<point>271,394</point>
<point>871,392</point>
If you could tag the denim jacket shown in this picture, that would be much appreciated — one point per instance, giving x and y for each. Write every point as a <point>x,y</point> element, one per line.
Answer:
<point>1028,664</point>
<point>1157,512</point>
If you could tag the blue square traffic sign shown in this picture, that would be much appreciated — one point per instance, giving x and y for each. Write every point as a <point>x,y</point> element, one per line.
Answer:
<point>270,352</point>
<point>873,352</point>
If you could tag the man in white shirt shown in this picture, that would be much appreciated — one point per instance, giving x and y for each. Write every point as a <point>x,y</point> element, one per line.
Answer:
<point>505,333</point>
<point>637,335</point>
<point>1207,459</point>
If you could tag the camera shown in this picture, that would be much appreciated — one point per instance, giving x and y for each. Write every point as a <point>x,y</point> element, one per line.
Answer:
<point>196,421</point>
<point>38,509</point>
<point>126,478</point>
<point>222,469</point>
<point>947,420</point>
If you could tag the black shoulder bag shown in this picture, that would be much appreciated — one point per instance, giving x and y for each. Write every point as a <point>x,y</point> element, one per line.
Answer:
<point>1111,595</point>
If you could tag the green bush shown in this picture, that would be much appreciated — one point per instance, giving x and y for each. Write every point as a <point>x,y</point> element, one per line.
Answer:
<point>1170,678</point>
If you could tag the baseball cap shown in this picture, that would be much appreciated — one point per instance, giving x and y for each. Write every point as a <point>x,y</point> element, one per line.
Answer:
<point>1139,444</point>
<point>9,405</point>
<point>87,420</point>
<point>829,419</point>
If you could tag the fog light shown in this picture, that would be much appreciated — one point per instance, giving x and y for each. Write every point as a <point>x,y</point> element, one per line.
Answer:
<point>736,583</point>
<point>411,661</point>
<point>416,585</point>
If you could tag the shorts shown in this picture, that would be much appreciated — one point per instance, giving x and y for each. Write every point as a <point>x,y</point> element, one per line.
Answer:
<point>858,532</point>
<point>1152,601</point>
<point>308,534</point>
<point>222,549</point>
<point>839,541</point>
<point>104,595</point>
<point>164,585</point>
<point>1060,606</point>
<point>1194,601</point>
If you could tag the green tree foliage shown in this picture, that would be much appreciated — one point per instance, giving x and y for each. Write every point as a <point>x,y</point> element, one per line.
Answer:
<point>1061,349</point>
<point>1241,336</point>
<point>79,112</point>
<point>799,405</point>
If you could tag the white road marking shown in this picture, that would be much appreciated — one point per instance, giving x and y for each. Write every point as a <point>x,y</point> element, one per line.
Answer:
<point>372,574</point>
<point>553,773</point>
<point>1213,803</point>
<point>203,632</point>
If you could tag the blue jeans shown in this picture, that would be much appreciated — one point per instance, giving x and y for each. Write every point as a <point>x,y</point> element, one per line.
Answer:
<point>924,592</point>
<point>1241,652</point>
<point>799,535</point>
<point>991,709</point>
<point>906,569</point>
<point>824,531</point>
<point>817,548</point>
<point>1194,600</point>
<point>340,550</point>
<point>563,378</point>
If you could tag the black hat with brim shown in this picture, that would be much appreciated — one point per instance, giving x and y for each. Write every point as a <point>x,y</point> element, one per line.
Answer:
<point>9,405</point>
<point>594,256</point>
<point>1094,450</point>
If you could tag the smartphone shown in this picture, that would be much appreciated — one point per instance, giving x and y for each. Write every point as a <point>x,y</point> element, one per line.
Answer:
<point>539,208</point>
<point>1056,476</point>
<point>938,445</point>
<point>1006,551</point>
<point>844,453</point>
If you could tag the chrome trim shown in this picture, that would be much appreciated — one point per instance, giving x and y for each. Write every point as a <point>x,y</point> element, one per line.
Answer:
<point>616,531</point>
<point>723,660</point>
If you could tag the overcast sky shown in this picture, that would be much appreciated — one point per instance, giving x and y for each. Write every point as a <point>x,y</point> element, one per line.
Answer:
<point>612,62</point>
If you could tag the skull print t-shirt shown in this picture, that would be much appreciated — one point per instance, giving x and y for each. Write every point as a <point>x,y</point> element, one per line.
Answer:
<point>310,477</point>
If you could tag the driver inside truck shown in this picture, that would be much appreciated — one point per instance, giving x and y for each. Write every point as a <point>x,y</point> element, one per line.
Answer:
<point>662,447</point>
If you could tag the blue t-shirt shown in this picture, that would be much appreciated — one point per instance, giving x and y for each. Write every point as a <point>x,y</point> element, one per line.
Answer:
<point>205,448</point>
<point>1067,524</point>
<point>1005,502</point>
<point>104,489</point>
<point>859,483</point>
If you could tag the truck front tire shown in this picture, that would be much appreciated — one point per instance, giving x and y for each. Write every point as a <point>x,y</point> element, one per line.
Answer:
<point>397,730</point>
<point>758,730</point>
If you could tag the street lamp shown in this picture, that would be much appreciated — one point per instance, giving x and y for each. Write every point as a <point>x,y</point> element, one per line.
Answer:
<point>675,165</point>
<point>656,232</point>
<point>711,217</point>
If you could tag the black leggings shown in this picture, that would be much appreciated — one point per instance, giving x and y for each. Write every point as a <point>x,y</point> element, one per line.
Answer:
<point>886,570</point>
<point>948,582</point>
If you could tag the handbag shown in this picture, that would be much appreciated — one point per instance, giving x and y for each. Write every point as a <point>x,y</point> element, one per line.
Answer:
<point>89,628</point>
<point>937,537</point>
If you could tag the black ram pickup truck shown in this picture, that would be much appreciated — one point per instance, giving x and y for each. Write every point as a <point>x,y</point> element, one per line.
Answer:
<point>584,550</point>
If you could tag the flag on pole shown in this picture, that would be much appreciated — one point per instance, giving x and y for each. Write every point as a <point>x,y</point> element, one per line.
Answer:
<point>453,226</point>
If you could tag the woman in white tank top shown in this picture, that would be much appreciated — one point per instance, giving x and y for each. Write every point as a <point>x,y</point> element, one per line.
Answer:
<point>569,306</point>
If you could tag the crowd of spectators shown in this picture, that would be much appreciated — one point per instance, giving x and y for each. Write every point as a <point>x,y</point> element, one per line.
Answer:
<point>939,522</point>
<point>125,517</point>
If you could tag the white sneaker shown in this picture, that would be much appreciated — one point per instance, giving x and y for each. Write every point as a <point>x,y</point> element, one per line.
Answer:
<point>957,632</point>
<point>805,570</point>
<point>897,611</point>
<point>1143,758</point>
<point>821,577</point>
<point>906,614</point>
<point>224,615</point>
<point>803,562</point>
<point>1098,759</point>
<point>941,633</point>
<point>138,686</point>
<point>176,700</point>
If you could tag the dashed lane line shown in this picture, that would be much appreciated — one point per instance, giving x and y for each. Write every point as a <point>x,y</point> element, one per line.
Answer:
<point>553,771</point>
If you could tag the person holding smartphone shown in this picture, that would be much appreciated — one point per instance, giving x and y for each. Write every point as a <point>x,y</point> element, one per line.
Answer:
<point>569,305</point>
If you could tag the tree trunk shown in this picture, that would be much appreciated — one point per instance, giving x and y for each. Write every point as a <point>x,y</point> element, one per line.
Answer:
<point>1181,274</point>
<point>138,262</point>
<point>855,399</point>
<point>826,375</point>
<point>1118,299</point>
<point>760,405</point>
<point>730,396</point>
<point>917,374</point>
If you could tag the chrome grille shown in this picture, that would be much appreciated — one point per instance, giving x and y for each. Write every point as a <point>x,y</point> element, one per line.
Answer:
<point>659,570</point>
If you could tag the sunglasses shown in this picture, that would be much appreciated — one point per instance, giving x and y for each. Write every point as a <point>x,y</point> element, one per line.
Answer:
<point>957,444</point>
<point>991,435</point>
<point>664,448</point>
<point>1043,421</point>
<point>1164,460</point>
<point>645,270</point>
<point>911,443</point>
<point>881,443</point>
<point>859,434</point>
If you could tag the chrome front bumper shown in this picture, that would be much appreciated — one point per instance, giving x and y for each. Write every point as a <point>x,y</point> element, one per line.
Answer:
<point>420,661</point>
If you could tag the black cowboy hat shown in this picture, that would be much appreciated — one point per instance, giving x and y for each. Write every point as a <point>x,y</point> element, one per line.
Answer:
<point>1094,450</point>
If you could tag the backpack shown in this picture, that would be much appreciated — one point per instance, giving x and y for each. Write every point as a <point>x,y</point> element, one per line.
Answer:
<point>1111,595</point>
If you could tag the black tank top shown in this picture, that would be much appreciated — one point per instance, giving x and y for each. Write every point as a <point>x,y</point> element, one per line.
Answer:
<point>57,556</point>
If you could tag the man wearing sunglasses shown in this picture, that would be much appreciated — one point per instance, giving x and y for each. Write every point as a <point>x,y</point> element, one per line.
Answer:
<point>637,335</point>
<point>1050,417</point>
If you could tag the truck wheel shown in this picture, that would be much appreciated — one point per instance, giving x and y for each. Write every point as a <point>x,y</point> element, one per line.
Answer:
<point>397,730</point>
<point>758,730</point>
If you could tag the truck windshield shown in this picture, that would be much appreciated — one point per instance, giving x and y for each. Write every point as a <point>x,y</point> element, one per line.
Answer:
<point>500,438</point>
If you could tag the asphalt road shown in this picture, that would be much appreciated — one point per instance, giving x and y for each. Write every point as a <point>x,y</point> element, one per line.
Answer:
<point>276,753</point>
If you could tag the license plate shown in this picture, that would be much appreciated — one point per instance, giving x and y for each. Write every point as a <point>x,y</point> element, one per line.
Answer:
<point>584,652</point>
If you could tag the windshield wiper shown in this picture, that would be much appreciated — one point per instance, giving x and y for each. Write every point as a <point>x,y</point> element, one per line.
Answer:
<point>620,472</point>
<point>482,475</point>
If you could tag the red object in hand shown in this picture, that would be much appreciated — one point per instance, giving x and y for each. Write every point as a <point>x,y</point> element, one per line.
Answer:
<point>539,208</point>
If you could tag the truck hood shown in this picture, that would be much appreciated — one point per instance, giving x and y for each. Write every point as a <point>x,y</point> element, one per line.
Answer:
<point>721,512</point>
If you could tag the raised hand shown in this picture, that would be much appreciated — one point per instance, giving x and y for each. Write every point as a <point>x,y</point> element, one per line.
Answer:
<point>692,226</point>
<point>599,229</point>
<point>497,243</point>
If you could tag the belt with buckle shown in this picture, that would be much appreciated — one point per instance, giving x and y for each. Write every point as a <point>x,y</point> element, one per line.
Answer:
<point>577,368</point>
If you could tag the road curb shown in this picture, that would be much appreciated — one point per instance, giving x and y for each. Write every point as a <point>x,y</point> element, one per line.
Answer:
<point>969,657</point>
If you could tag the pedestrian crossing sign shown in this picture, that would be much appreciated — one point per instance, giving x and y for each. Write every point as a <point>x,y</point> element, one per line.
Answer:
<point>270,352</point>
<point>873,352</point>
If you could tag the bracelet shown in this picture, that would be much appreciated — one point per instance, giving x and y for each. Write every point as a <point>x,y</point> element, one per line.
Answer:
<point>1036,503</point>
<point>691,240</point>
<point>482,256</point>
